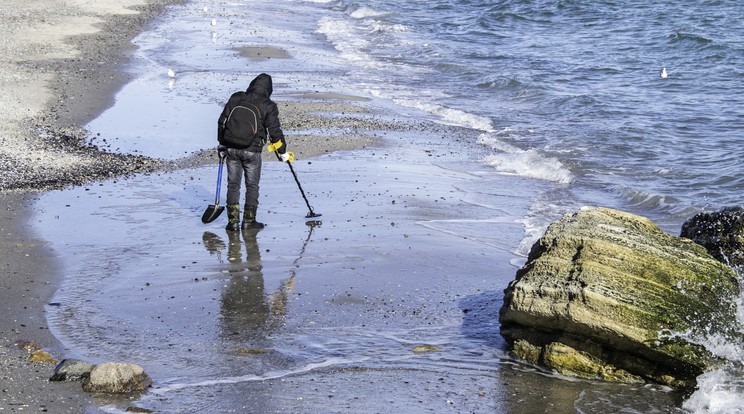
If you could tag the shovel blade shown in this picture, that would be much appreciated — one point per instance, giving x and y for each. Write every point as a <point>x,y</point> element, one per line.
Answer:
<point>212,212</point>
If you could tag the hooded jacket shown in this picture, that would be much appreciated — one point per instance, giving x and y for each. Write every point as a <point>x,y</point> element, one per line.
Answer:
<point>258,95</point>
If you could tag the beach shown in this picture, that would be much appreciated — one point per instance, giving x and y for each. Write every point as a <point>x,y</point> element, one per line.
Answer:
<point>436,153</point>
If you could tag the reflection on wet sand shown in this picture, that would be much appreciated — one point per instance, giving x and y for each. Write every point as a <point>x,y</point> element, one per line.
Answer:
<point>247,311</point>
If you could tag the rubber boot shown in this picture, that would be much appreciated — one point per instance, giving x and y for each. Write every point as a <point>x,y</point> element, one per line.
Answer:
<point>249,219</point>
<point>233,217</point>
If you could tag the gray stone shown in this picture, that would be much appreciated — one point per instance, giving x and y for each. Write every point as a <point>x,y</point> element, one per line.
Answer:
<point>72,370</point>
<point>608,295</point>
<point>721,233</point>
<point>117,378</point>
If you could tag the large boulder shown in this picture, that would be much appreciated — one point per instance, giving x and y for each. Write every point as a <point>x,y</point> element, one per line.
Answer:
<point>721,233</point>
<point>117,378</point>
<point>606,294</point>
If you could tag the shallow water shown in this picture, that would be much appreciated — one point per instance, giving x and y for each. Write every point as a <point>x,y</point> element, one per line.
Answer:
<point>299,318</point>
<point>560,106</point>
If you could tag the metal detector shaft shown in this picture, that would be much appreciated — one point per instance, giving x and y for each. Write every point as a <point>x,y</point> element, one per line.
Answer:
<point>311,213</point>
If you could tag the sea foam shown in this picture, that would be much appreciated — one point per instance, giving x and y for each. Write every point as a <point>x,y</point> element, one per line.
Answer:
<point>523,162</point>
<point>365,12</point>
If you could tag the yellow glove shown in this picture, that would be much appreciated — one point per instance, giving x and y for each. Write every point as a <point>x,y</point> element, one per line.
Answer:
<point>287,156</point>
<point>274,146</point>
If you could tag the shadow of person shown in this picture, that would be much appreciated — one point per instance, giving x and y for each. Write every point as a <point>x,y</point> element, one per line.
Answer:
<point>247,311</point>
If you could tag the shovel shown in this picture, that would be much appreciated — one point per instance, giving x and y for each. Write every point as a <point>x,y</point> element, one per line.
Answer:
<point>214,210</point>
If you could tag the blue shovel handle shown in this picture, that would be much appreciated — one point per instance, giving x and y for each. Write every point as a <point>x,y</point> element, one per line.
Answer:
<point>219,181</point>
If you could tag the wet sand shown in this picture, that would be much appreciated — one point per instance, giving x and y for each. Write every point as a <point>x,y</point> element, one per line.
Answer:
<point>263,52</point>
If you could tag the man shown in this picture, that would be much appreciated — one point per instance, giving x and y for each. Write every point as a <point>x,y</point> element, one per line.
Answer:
<point>248,120</point>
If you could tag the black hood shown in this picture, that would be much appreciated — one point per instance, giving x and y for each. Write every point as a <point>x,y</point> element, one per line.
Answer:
<point>261,85</point>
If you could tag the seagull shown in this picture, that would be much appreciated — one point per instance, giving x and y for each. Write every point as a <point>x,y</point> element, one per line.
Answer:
<point>663,73</point>
<point>214,22</point>
<point>205,9</point>
<point>171,73</point>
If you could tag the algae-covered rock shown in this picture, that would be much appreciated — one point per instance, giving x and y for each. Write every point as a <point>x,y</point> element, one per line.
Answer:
<point>42,356</point>
<point>608,295</point>
<point>569,361</point>
<point>424,348</point>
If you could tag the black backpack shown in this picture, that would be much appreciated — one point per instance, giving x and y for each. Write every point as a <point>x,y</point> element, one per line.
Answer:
<point>242,124</point>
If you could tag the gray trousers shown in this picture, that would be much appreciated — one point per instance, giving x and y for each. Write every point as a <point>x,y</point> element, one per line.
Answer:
<point>243,163</point>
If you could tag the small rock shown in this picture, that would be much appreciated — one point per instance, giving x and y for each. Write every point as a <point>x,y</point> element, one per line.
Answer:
<point>26,345</point>
<point>250,351</point>
<point>42,356</point>
<point>117,378</point>
<point>425,348</point>
<point>138,410</point>
<point>72,370</point>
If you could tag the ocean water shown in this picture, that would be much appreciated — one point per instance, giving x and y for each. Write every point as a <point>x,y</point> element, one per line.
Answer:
<point>557,104</point>
<point>569,91</point>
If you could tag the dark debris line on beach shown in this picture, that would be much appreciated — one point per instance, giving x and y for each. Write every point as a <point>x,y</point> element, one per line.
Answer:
<point>87,164</point>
